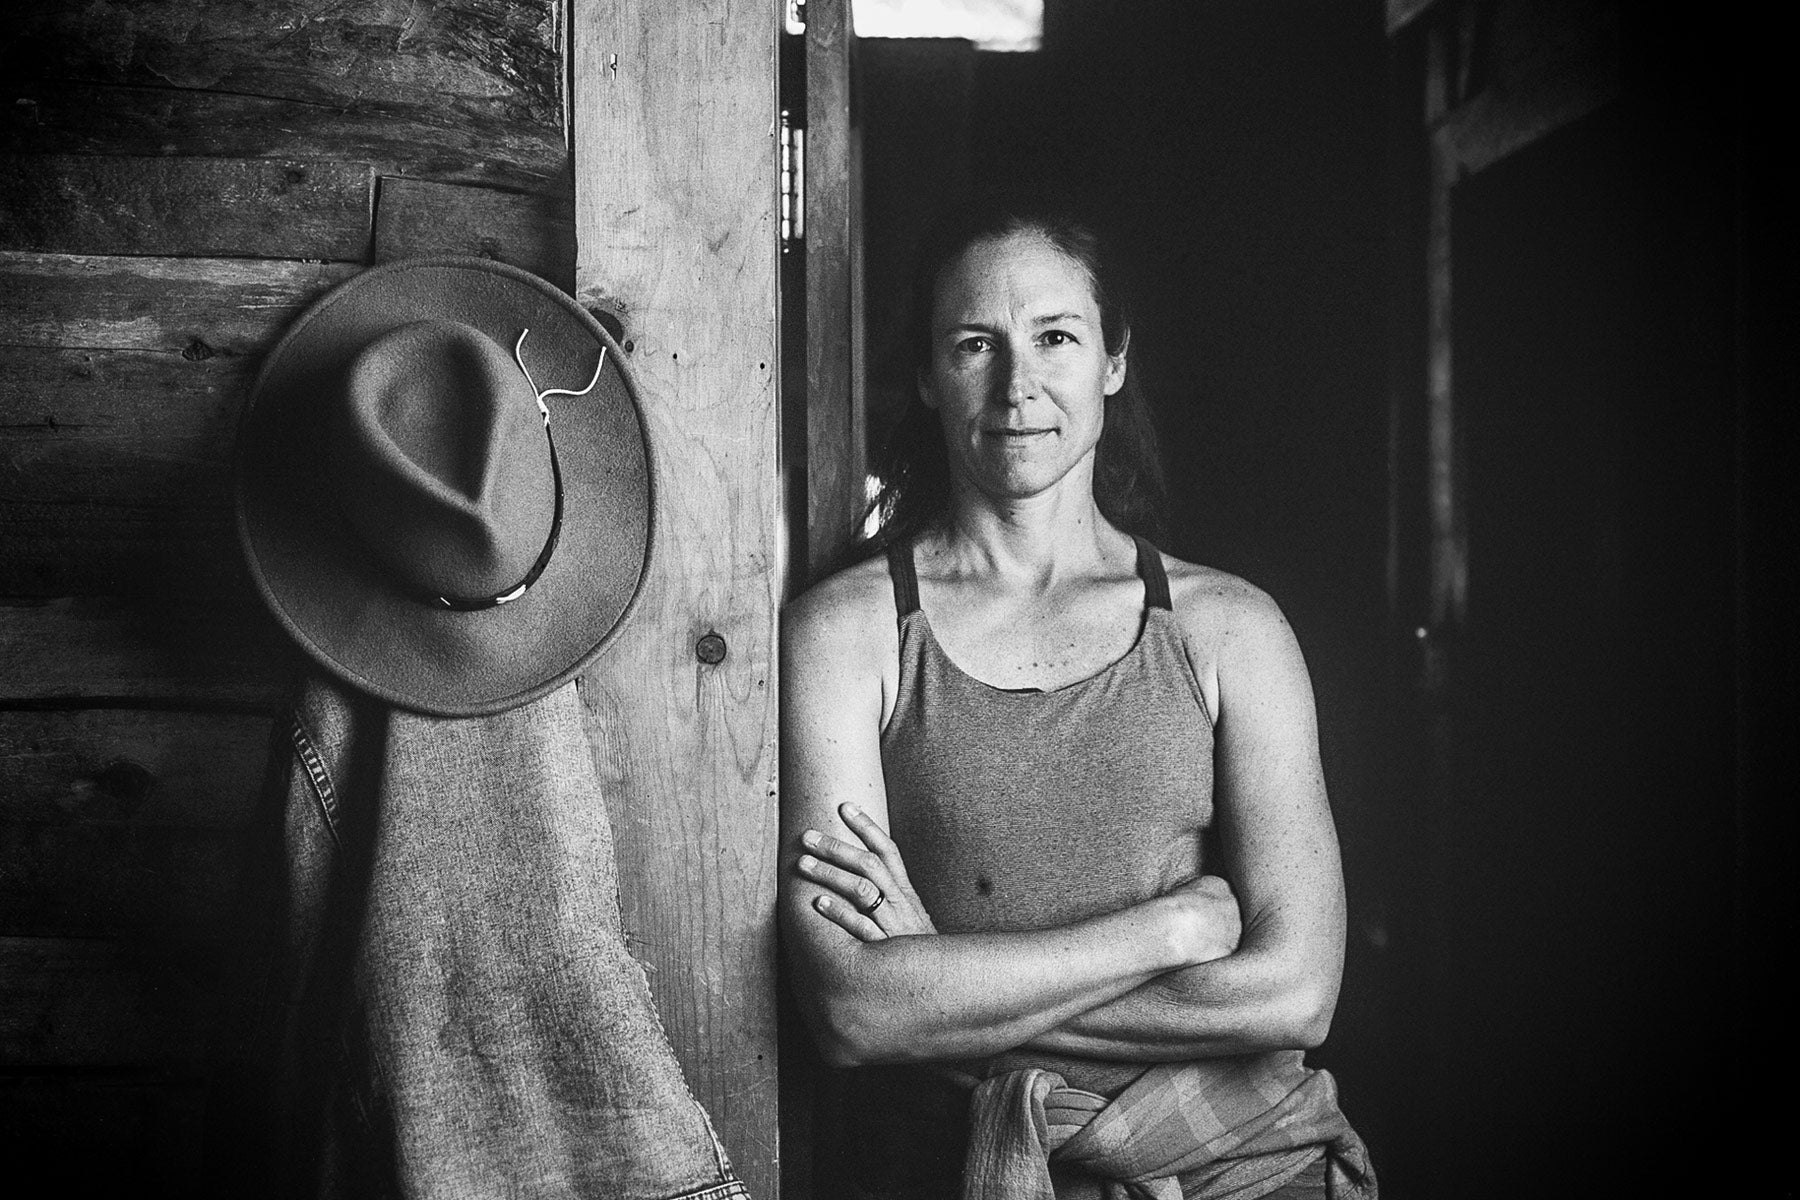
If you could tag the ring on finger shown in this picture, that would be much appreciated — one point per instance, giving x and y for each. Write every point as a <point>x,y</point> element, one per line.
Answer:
<point>880,899</point>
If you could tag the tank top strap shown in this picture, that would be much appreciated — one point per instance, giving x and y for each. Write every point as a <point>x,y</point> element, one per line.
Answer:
<point>1150,570</point>
<point>906,580</point>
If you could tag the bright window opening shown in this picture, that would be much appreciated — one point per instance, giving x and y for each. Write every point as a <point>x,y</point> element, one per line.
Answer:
<point>990,24</point>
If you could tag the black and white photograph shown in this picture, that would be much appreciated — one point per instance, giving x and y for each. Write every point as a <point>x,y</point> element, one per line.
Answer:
<point>896,600</point>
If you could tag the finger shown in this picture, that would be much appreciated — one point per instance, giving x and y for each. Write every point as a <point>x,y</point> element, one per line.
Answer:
<point>843,854</point>
<point>853,922</point>
<point>864,826</point>
<point>874,837</point>
<point>857,889</point>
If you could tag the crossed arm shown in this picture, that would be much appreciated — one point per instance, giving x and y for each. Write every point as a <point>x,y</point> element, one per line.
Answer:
<point>1202,970</point>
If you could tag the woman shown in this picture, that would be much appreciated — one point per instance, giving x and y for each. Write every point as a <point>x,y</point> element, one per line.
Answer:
<point>1002,742</point>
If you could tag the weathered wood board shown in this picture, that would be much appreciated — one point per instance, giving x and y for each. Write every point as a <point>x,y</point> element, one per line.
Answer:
<point>497,58</point>
<point>129,823</point>
<point>837,433</point>
<point>676,233</point>
<point>121,379</point>
<point>115,471</point>
<point>203,207</point>
<point>424,140</point>
<point>200,306</point>
<point>535,232</point>
<point>132,767</point>
<point>120,427</point>
<point>222,652</point>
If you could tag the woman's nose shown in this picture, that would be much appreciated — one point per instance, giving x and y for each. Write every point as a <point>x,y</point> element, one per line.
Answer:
<point>1020,384</point>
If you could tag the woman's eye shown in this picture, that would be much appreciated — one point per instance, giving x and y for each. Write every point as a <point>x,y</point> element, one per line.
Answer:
<point>975,345</point>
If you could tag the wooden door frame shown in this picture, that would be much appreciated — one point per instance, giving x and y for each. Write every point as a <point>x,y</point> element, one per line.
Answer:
<point>1463,98</point>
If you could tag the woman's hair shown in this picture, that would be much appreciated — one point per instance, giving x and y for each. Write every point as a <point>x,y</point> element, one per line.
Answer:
<point>915,468</point>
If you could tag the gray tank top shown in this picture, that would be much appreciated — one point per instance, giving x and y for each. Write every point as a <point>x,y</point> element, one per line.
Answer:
<point>1020,810</point>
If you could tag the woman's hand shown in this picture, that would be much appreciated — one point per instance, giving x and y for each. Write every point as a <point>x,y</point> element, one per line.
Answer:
<point>1210,923</point>
<point>870,896</point>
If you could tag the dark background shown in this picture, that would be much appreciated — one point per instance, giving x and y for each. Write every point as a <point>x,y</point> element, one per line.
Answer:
<point>1564,859</point>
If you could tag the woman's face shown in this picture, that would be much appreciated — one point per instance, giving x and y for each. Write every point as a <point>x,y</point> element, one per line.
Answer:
<point>1019,373</point>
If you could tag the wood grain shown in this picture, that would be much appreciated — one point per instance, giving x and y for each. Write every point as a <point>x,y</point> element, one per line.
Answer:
<point>120,427</point>
<point>120,383</point>
<point>535,232</point>
<point>424,139</point>
<point>253,208</point>
<point>115,472</point>
<point>187,556</point>
<point>676,176</point>
<point>131,769</point>
<point>494,57</point>
<point>198,305</point>
<point>836,415</point>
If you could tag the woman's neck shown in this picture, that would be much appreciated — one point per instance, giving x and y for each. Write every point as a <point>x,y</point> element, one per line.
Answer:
<point>1032,542</point>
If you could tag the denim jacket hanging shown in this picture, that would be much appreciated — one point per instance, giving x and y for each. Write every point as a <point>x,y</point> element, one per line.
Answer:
<point>457,1011</point>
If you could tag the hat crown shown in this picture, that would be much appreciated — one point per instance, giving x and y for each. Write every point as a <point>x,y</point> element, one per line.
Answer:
<point>442,460</point>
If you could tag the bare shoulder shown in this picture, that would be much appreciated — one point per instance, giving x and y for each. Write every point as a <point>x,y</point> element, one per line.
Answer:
<point>1238,641</point>
<point>1217,608</point>
<point>846,619</point>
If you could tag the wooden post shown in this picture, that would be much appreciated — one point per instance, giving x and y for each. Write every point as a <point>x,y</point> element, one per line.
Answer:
<point>676,178</point>
<point>836,430</point>
<point>1449,532</point>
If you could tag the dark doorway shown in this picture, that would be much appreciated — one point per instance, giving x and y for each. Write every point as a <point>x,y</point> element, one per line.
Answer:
<point>1585,854</point>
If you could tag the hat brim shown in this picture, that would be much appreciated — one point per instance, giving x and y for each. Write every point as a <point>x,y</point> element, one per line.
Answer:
<point>325,588</point>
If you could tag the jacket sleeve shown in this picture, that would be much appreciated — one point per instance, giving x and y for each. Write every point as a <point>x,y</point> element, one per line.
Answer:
<point>319,1105</point>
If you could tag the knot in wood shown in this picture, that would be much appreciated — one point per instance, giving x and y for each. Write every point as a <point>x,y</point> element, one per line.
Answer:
<point>710,649</point>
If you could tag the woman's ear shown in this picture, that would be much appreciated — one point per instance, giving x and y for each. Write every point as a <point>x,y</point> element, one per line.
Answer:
<point>1115,366</point>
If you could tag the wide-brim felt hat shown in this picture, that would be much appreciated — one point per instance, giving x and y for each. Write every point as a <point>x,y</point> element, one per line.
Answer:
<point>389,444</point>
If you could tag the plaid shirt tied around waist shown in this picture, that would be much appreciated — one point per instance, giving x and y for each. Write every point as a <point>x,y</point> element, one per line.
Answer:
<point>1217,1129</point>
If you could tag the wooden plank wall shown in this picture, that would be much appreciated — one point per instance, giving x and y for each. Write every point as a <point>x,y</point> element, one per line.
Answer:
<point>676,189</point>
<point>177,179</point>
